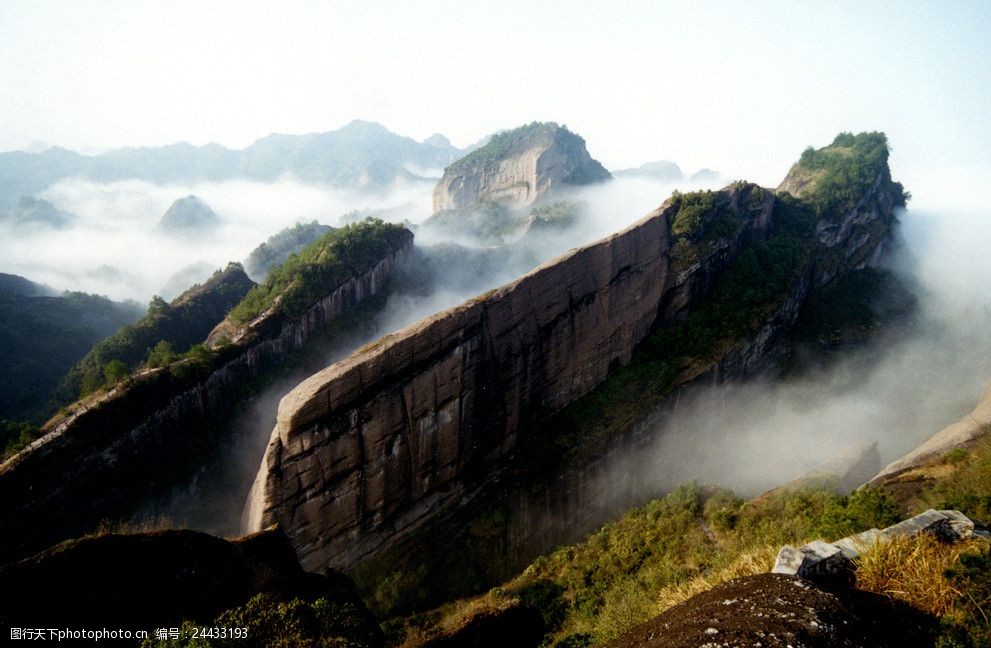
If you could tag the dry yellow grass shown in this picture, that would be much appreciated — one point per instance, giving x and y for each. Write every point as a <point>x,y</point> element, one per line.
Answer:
<point>754,561</point>
<point>913,570</point>
<point>452,616</point>
<point>143,525</point>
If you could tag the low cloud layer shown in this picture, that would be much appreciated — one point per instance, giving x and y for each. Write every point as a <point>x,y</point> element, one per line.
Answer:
<point>114,247</point>
<point>897,390</point>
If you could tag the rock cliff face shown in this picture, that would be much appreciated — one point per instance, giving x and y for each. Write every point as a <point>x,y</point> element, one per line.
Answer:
<point>517,167</point>
<point>375,445</point>
<point>121,447</point>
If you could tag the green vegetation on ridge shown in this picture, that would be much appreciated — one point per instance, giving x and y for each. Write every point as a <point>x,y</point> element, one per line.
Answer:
<point>839,174</point>
<point>750,287</point>
<point>184,322</point>
<point>663,552</point>
<point>304,278</point>
<point>759,280</point>
<point>15,436</point>
<point>694,538</point>
<point>278,247</point>
<point>42,337</point>
<point>745,292</point>
<point>501,144</point>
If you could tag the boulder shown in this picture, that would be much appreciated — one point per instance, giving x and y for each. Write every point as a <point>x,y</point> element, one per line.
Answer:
<point>948,526</point>
<point>824,562</point>
<point>852,546</point>
<point>816,561</point>
<point>779,611</point>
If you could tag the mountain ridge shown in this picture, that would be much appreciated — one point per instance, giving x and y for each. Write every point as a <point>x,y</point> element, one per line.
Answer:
<point>360,154</point>
<point>447,403</point>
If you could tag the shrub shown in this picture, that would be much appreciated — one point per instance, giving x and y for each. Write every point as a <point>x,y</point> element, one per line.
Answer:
<point>15,436</point>
<point>845,169</point>
<point>115,371</point>
<point>161,355</point>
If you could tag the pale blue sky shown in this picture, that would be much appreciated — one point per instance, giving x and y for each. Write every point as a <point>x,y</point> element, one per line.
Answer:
<point>739,86</point>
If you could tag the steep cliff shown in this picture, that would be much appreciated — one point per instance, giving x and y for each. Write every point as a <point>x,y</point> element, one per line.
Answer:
<point>517,167</point>
<point>118,447</point>
<point>382,441</point>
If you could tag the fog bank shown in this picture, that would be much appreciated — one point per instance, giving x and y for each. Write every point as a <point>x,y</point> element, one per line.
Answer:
<point>898,389</point>
<point>114,246</point>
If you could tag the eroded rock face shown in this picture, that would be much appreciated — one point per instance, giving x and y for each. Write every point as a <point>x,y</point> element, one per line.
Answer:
<point>518,167</point>
<point>117,449</point>
<point>373,446</point>
<point>817,561</point>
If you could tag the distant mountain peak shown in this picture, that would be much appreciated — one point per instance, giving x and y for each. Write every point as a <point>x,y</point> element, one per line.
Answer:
<point>34,212</point>
<point>189,215</point>
<point>663,170</point>
<point>360,155</point>
<point>517,167</point>
<point>365,127</point>
<point>437,140</point>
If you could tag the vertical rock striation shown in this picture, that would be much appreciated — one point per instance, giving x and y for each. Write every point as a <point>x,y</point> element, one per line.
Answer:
<point>119,448</point>
<point>375,445</point>
<point>517,167</point>
<point>378,442</point>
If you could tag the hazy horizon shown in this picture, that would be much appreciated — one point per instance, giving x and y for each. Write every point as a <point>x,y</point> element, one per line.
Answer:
<point>742,88</point>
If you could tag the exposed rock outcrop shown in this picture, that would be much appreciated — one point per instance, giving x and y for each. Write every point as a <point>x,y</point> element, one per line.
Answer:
<point>376,444</point>
<point>778,611</point>
<point>517,167</point>
<point>829,562</point>
<point>120,447</point>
